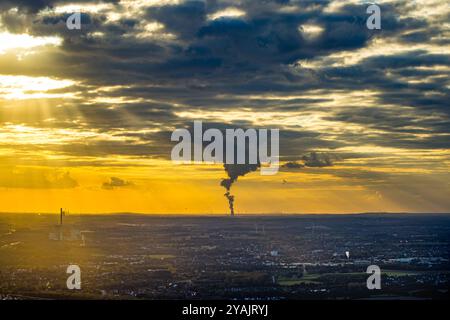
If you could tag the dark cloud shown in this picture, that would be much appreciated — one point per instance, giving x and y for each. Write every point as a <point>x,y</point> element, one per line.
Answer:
<point>315,159</point>
<point>292,165</point>
<point>33,6</point>
<point>218,64</point>
<point>312,160</point>
<point>116,183</point>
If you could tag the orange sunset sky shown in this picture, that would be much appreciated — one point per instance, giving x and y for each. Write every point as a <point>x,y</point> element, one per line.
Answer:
<point>86,115</point>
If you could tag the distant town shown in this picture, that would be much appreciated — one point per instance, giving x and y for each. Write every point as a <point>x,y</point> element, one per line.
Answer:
<point>257,257</point>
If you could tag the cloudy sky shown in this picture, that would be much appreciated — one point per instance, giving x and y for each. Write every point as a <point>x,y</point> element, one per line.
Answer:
<point>86,115</point>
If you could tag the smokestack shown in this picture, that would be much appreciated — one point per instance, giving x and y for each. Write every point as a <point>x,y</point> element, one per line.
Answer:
<point>61,213</point>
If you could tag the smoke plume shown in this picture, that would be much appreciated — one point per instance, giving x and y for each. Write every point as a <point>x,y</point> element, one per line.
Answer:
<point>234,171</point>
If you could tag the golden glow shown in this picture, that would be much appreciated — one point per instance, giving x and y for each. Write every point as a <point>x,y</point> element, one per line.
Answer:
<point>24,87</point>
<point>311,31</point>
<point>85,7</point>
<point>227,13</point>
<point>10,41</point>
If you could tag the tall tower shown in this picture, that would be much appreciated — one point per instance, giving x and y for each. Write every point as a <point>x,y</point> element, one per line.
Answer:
<point>61,213</point>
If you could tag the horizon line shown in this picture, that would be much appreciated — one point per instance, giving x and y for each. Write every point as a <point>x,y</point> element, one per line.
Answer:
<point>228,214</point>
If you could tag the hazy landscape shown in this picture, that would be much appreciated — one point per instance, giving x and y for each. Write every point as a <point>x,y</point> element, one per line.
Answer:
<point>130,256</point>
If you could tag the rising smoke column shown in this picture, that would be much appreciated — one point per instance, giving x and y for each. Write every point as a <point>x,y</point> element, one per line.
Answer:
<point>234,171</point>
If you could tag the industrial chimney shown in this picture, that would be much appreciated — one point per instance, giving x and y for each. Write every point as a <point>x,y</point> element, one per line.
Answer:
<point>61,213</point>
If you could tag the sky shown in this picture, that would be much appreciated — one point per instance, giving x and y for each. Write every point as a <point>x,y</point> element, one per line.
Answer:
<point>86,115</point>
